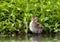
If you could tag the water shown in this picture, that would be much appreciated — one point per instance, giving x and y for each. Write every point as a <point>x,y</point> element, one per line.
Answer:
<point>31,38</point>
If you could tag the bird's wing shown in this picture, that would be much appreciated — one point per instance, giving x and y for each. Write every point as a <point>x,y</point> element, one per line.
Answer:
<point>38,25</point>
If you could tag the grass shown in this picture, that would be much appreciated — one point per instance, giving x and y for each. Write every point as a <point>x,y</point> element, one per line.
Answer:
<point>15,15</point>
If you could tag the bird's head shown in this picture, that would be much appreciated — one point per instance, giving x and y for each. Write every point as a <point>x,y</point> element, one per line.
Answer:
<point>34,19</point>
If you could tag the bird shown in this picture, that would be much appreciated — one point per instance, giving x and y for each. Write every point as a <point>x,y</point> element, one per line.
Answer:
<point>35,26</point>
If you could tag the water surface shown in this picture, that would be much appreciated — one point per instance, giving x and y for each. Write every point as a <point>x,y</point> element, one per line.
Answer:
<point>31,38</point>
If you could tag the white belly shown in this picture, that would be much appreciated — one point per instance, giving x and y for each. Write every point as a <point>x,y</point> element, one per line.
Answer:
<point>33,29</point>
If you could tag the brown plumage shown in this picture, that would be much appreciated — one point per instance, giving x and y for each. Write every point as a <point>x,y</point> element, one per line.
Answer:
<point>35,27</point>
<point>38,25</point>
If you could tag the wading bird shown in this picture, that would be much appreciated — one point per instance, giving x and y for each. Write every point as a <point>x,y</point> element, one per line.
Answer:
<point>35,27</point>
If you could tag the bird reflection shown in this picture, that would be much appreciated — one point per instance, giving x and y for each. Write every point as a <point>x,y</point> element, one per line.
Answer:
<point>35,38</point>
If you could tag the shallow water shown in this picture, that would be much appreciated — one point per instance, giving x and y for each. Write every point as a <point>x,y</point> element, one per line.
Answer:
<point>31,38</point>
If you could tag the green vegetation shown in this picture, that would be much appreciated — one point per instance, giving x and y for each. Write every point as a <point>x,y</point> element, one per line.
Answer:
<point>15,15</point>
